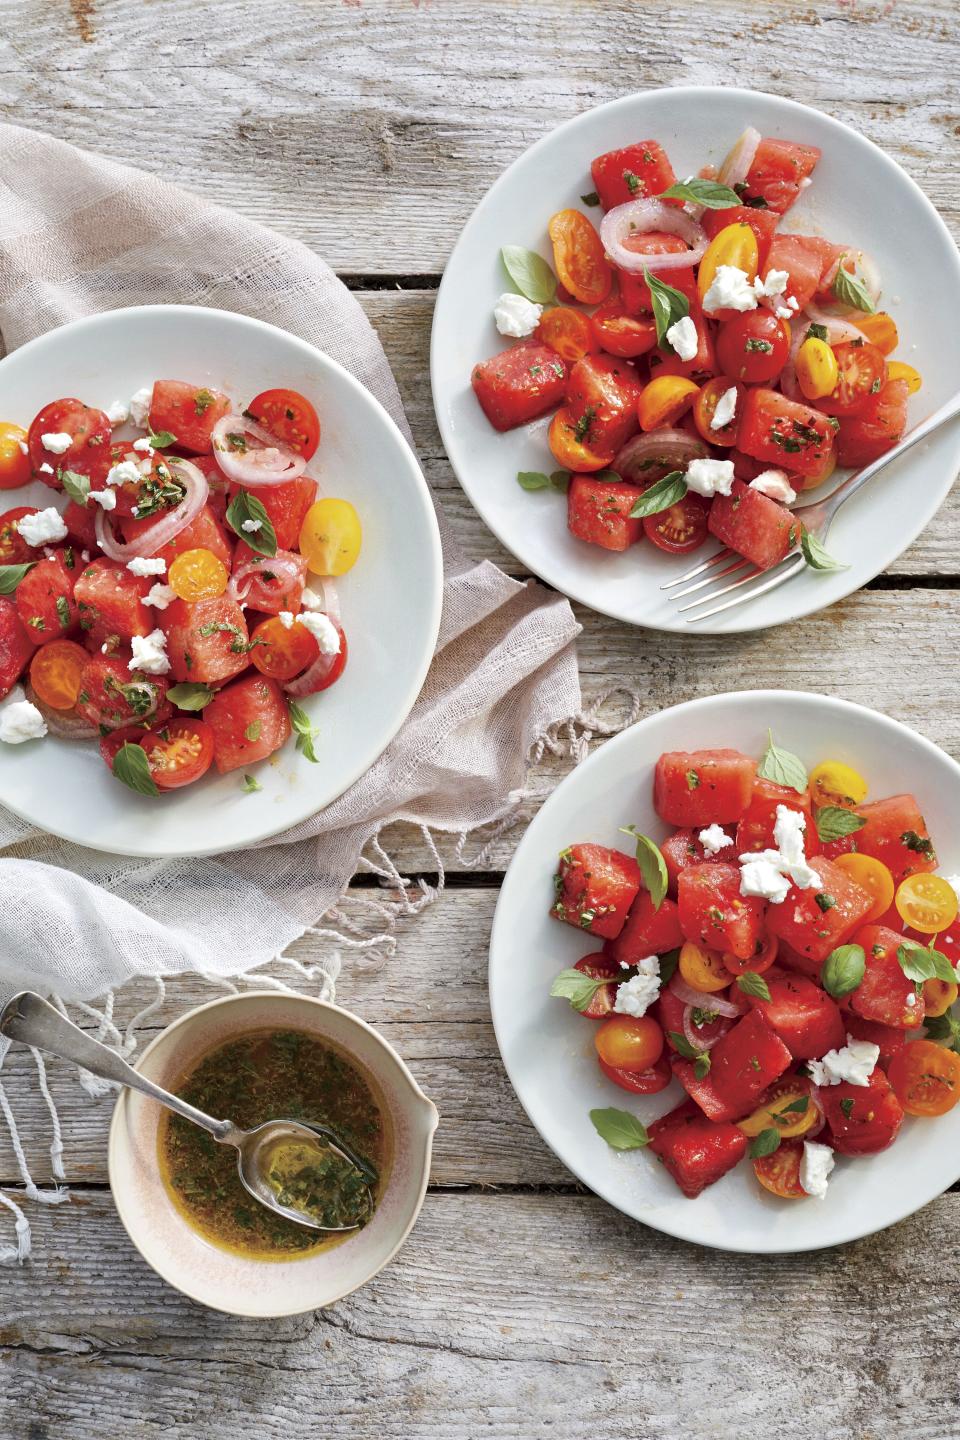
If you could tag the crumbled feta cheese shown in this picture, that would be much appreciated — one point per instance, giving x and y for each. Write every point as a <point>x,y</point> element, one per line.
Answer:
<point>46,469</point>
<point>150,653</point>
<point>635,996</point>
<point>682,335</point>
<point>788,832</point>
<point>713,839</point>
<point>768,873</point>
<point>710,477</point>
<point>782,313</point>
<point>43,527</point>
<point>516,316</point>
<point>730,289</point>
<point>105,648</point>
<point>310,600</point>
<point>126,472</point>
<point>793,302</point>
<point>117,413</point>
<point>759,876</point>
<point>251,526</point>
<point>773,283</point>
<point>19,719</point>
<point>144,446</point>
<point>323,631</point>
<point>286,619</point>
<point>140,405</point>
<point>726,408</point>
<point>911,999</point>
<point>815,1167</point>
<point>24,447</point>
<point>56,442</point>
<point>854,1063</point>
<point>775,484</point>
<point>147,565</point>
<point>160,596</point>
<point>106,499</point>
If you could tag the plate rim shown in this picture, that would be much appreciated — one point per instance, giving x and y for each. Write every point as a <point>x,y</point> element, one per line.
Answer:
<point>432,559</point>
<point>529,843</point>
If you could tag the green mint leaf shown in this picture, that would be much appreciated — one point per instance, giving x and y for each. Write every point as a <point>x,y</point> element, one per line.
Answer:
<point>130,764</point>
<point>11,575</point>
<point>850,290</point>
<point>303,730</point>
<point>591,199</point>
<point>782,768</point>
<point>190,695</point>
<point>576,987</point>
<point>162,439</point>
<point>245,506</point>
<point>708,193</point>
<point>661,495</point>
<point>250,785</point>
<point>944,1030</point>
<point>75,485</point>
<point>620,1129</point>
<point>816,555</point>
<point>764,1144</point>
<point>533,480</point>
<point>834,822</point>
<point>669,305</point>
<point>753,984</point>
<point>843,970</point>
<point>529,273</point>
<point>653,867</point>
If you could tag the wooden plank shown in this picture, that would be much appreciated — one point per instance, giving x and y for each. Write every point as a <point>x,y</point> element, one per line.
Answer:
<point>510,1316</point>
<point>370,131</point>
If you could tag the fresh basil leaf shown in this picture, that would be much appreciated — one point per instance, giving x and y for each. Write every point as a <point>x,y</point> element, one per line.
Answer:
<point>560,479</point>
<point>668,966</point>
<point>753,984</point>
<point>161,439</point>
<point>816,332</point>
<point>130,764</point>
<point>688,1051</point>
<point>782,768</point>
<point>11,575</point>
<point>653,867</point>
<point>843,970</point>
<point>816,555</point>
<point>708,193</point>
<point>669,305</point>
<point>764,1144</point>
<point>304,731</point>
<point>620,1129</point>
<point>245,506</point>
<point>944,1029</point>
<point>250,785</point>
<point>533,480</point>
<point>530,273</point>
<point>190,695</point>
<point>661,495</point>
<point>796,1107</point>
<point>75,485</point>
<point>834,822</point>
<point>591,199</point>
<point>920,963</point>
<point>576,987</point>
<point>850,290</point>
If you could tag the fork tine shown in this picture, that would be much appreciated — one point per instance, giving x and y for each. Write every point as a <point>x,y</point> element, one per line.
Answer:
<point>772,583</point>
<point>723,554</point>
<point>724,589</point>
<point>736,564</point>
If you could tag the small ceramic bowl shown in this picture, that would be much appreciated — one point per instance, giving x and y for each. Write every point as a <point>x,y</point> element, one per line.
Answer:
<point>235,1283</point>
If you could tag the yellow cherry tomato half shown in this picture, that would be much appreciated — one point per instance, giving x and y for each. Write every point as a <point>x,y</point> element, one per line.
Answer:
<point>927,903</point>
<point>664,400</point>
<point>817,368</point>
<point>874,877</point>
<point>938,995</point>
<point>197,575</point>
<point>880,330</point>
<point>703,969</point>
<point>897,370</point>
<point>15,466</point>
<point>783,1111</point>
<point>629,1044</point>
<point>733,245</point>
<point>330,537</point>
<point>834,783</point>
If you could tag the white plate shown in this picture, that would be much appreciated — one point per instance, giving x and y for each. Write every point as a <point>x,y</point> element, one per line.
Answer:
<point>859,195</point>
<point>548,1049</point>
<point>394,590</point>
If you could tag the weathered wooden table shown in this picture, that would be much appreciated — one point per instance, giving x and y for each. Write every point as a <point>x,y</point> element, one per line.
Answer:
<point>521,1306</point>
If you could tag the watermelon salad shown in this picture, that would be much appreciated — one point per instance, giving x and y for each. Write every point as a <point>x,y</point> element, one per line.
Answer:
<point>161,605</point>
<point>703,363</point>
<point>786,952</point>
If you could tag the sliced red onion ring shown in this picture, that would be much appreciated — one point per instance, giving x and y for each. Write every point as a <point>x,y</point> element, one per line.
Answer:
<point>694,1034</point>
<point>689,996</point>
<point>279,567</point>
<point>168,527</point>
<point>647,458</point>
<point>640,217</point>
<point>331,600</point>
<point>257,458</point>
<point>838,329</point>
<point>313,677</point>
<point>817,1102</point>
<point>64,724</point>
<point>736,167</point>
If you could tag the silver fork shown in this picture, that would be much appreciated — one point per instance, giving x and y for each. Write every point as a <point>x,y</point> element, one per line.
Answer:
<point>817,517</point>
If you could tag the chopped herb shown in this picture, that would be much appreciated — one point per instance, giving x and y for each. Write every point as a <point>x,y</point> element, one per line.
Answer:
<point>825,901</point>
<point>846,1105</point>
<point>920,844</point>
<point>633,182</point>
<point>581,431</point>
<point>63,611</point>
<point>252,732</point>
<point>36,622</point>
<point>305,732</point>
<point>590,199</point>
<point>250,785</point>
<point>161,439</point>
<point>762,347</point>
<point>202,402</point>
<point>816,332</point>
<point>692,779</point>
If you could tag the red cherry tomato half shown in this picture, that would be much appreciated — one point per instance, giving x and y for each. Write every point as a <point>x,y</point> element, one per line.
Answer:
<point>862,370</point>
<point>753,347</point>
<point>290,416</point>
<point>179,753</point>
<point>681,528</point>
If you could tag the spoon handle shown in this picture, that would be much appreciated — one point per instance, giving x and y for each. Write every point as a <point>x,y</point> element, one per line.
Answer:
<point>33,1021</point>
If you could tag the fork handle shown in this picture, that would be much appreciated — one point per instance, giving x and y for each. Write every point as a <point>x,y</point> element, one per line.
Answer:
<point>920,432</point>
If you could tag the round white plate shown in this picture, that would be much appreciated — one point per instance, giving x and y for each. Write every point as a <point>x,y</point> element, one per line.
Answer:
<point>65,787</point>
<point>858,194</point>
<point>548,1049</point>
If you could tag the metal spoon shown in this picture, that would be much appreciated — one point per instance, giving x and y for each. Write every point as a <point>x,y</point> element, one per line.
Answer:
<point>31,1020</point>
